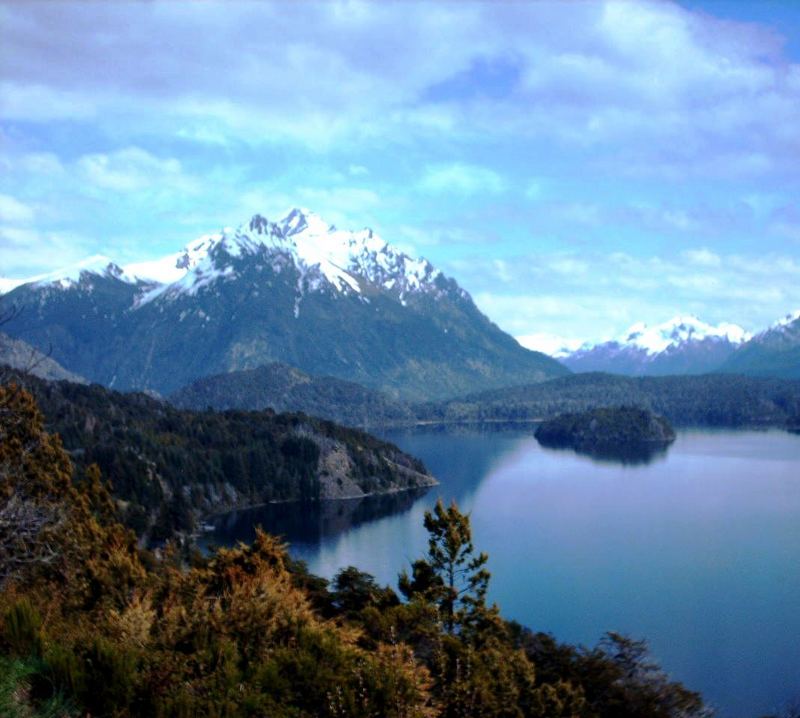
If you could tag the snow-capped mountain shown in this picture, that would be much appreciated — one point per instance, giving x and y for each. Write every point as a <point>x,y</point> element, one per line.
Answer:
<point>296,290</point>
<point>682,345</point>
<point>773,352</point>
<point>323,256</point>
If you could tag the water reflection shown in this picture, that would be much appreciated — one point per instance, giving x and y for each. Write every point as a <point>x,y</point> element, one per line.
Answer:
<point>308,523</point>
<point>624,454</point>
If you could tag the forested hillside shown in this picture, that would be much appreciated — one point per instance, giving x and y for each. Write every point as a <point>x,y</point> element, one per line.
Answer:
<point>707,400</point>
<point>284,388</point>
<point>167,465</point>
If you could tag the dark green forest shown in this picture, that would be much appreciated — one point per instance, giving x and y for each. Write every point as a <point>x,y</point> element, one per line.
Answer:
<point>606,429</point>
<point>707,400</point>
<point>723,400</point>
<point>170,466</point>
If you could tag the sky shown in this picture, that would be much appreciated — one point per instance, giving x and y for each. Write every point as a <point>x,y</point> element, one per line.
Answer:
<point>576,166</point>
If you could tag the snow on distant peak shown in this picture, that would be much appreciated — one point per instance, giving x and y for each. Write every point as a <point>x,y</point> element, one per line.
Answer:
<point>299,219</point>
<point>72,274</point>
<point>678,330</point>
<point>7,284</point>
<point>553,345</point>
<point>785,321</point>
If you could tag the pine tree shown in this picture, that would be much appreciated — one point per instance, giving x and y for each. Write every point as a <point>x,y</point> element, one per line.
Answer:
<point>452,575</point>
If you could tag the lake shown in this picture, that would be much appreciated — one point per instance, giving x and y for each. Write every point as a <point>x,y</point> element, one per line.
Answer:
<point>697,550</point>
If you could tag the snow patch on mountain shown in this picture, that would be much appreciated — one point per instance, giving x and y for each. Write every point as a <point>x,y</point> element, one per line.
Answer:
<point>553,345</point>
<point>679,330</point>
<point>785,321</point>
<point>71,275</point>
<point>324,257</point>
<point>322,254</point>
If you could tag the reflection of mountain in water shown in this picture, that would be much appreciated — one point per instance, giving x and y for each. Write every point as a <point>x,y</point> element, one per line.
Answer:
<point>309,523</point>
<point>460,456</point>
<point>637,454</point>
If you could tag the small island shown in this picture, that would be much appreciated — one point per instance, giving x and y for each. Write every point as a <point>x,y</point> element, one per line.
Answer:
<point>626,433</point>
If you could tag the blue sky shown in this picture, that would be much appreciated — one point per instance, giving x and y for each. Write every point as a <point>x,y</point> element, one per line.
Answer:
<point>576,166</point>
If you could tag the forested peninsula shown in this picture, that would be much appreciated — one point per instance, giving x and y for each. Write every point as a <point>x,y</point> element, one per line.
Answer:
<point>170,467</point>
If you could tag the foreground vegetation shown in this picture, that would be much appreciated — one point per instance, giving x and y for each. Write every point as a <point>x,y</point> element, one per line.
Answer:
<point>92,625</point>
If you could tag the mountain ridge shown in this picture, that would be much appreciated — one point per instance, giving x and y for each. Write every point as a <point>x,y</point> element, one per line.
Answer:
<point>681,345</point>
<point>772,352</point>
<point>298,291</point>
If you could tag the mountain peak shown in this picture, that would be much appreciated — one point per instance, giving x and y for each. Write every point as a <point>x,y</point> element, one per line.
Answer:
<point>788,319</point>
<point>300,219</point>
<point>679,329</point>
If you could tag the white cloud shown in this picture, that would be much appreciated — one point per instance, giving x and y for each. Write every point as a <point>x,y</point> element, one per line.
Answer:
<point>12,210</point>
<point>650,86</point>
<point>703,257</point>
<point>129,170</point>
<point>614,290</point>
<point>460,178</point>
<point>27,251</point>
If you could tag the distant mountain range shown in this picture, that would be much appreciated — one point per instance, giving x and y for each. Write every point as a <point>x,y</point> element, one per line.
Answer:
<point>682,345</point>
<point>686,345</point>
<point>299,291</point>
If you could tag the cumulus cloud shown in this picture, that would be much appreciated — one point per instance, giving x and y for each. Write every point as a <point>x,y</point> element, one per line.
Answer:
<point>22,247</point>
<point>676,86</point>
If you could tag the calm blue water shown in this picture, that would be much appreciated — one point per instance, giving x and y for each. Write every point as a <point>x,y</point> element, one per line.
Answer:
<point>697,551</point>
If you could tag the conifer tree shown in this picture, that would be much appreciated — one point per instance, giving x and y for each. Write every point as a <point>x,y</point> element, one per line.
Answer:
<point>452,575</point>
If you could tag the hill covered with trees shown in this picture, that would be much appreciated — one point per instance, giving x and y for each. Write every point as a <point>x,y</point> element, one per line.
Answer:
<point>625,431</point>
<point>169,466</point>
<point>285,388</point>
<point>706,400</point>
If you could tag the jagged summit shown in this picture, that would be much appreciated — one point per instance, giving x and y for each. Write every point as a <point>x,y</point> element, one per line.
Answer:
<point>676,331</point>
<point>786,321</point>
<point>325,257</point>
